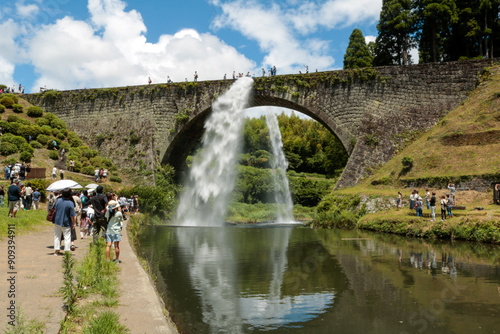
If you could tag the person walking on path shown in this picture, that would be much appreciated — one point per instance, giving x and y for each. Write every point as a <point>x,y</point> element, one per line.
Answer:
<point>452,189</point>
<point>114,230</point>
<point>61,171</point>
<point>432,204</point>
<point>64,221</point>
<point>27,199</point>
<point>2,195</point>
<point>54,173</point>
<point>36,199</point>
<point>14,196</point>
<point>449,205</point>
<point>398,201</point>
<point>443,208</point>
<point>99,203</point>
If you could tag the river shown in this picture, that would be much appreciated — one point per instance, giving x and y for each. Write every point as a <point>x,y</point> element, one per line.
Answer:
<point>284,279</point>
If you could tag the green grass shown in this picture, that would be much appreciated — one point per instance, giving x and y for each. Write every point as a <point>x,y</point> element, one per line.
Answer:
<point>23,325</point>
<point>25,221</point>
<point>252,213</point>
<point>433,156</point>
<point>97,292</point>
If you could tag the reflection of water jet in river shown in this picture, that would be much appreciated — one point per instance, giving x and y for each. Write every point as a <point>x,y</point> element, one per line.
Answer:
<point>282,195</point>
<point>213,173</point>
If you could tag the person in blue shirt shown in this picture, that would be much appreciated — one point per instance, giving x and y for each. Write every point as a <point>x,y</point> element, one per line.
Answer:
<point>64,221</point>
<point>7,172</point>
<point>14,196</point>
<point>36,199</point>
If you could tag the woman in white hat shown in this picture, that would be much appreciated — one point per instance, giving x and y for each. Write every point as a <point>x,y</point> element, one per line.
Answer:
<point>114,230</point>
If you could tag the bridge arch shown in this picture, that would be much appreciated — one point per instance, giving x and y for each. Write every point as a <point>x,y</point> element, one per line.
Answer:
<point>183,141</point>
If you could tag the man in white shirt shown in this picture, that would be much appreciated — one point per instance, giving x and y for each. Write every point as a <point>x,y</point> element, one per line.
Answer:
<point>54,173</point>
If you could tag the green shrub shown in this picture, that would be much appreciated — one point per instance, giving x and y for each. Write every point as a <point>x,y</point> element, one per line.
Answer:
<point>115,178</point>
<point>26,156</point>
<point>17,108</point>
<point>7,101</point>
<point>58,124</point>
<point>42,121</point>
<point>88,170</point>
<point>61,136</point>
<point>55,132</point>
<point>35,144</point>
<point>46,130</point>
<point>2,108</point>
<point>54,155</point>
<point>18,141</point>
<point>43,139</point>
<point>28,130</point>
<point>35,111</point>
<point>78,166</point>
<point>12,118</point>
<point>7,148</point>
<point>74,141</point>
<point>27,147</point>
<point>407,163</point>
<point>10,95</point>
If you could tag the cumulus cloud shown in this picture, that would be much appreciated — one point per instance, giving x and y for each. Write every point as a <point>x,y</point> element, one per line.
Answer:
<point>270,27</point>
<point>27,11</point>
<point>9,53</point>
<point>111,50</point>
<point>369,39</point>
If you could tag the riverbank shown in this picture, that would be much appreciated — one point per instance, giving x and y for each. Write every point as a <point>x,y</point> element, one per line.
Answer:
<point>38,278</point>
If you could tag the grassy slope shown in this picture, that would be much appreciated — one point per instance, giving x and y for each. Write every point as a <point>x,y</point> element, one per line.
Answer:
<point>480,113</point>
<point>433,156</point>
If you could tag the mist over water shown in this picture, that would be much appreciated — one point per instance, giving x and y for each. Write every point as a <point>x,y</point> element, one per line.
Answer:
<point>282,195</point>
<point>212,176</point>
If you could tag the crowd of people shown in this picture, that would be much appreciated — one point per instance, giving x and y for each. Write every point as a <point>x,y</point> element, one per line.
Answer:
<point>18,170</point>
<point>446,201</point>
<point>97,214</point>
<point>20,196</point>
<point>13,89</point>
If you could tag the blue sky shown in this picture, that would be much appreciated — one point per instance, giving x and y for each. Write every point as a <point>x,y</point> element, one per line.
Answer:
<point>71,44</point>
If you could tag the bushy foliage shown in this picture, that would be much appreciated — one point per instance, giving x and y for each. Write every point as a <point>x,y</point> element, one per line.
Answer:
<point>58,124</point>
<point>18,141</point>
<point>42,121</point>
<point>54,155</point>
<point>12,118</point>
<point>88,170</point>
<point>18,108</point>
<point>7,101</point>
<point>35,144</point>
<point>46,130</point>
<point>61,136</point>
<point>10,95</point>
<point>115,178</point>
<point>28,130</point>
<point>27,147</point>
<point>26,156</point>
<point>43,139</point>
<point>35,112</point>
<point>2,108</point>
<point>7,148</point>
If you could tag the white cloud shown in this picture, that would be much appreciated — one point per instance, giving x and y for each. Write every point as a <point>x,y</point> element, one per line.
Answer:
<point>111,50</point>
<point>9,52</point>
<point>369,39</point>
<point>26,11</point>
<point>270,28</point>
<point>333,13</point>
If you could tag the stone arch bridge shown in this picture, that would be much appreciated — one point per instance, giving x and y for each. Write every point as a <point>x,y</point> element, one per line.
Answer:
<point>371,111</point>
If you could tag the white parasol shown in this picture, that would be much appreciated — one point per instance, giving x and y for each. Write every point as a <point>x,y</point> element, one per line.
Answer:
<point>63,184</point>
<point>91,186</point>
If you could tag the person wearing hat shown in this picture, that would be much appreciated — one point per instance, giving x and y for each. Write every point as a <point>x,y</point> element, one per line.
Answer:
<point>114,230</point>
<point>14,196</point>
<point>99,203</point>
<point>64,221</point>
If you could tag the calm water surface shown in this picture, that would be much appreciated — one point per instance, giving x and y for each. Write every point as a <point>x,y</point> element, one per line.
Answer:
<point>298,280</point>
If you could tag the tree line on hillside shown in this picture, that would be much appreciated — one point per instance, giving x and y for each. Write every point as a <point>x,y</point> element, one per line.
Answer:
<point>442,30</point>
<point>309,147</point>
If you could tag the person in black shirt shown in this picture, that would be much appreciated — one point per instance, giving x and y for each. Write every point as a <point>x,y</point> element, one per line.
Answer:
<point>99,203</point>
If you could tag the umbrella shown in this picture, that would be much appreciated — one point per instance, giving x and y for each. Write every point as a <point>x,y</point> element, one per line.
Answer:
<point>91,186</point>
<point>63,184</point>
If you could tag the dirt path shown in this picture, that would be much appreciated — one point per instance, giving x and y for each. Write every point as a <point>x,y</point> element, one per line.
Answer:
<point>38,277</point>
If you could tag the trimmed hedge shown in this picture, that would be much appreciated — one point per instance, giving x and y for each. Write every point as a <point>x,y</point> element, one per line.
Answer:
<point>36,112</point>
<point>54,155</point>
<point>7,101</point>
<point>7,148</point>
<point>115,178</point>
<point>10,95</point>
<point>17,108</point>
<point>43,139</point>
<point>26,156</point>
<point>36,144</point>
<point>2,108</point>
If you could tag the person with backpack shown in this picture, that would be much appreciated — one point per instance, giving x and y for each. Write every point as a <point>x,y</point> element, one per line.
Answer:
<point>99,203</point>
<point>64,221</point>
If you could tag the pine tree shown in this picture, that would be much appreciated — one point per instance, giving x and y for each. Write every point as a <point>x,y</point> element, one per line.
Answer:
<point>396,30</point>
<point>357,54</point>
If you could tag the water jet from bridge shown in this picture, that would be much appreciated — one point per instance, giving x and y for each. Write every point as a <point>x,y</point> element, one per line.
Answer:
<point>212,176</point>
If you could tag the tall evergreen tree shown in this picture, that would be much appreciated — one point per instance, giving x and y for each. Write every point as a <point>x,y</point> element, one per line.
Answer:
<point>396,30</point>
<point>436,18</point>
<point>357,54</point>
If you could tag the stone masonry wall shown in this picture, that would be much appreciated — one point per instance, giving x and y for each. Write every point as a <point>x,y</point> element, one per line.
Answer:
<point>370,111</point>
